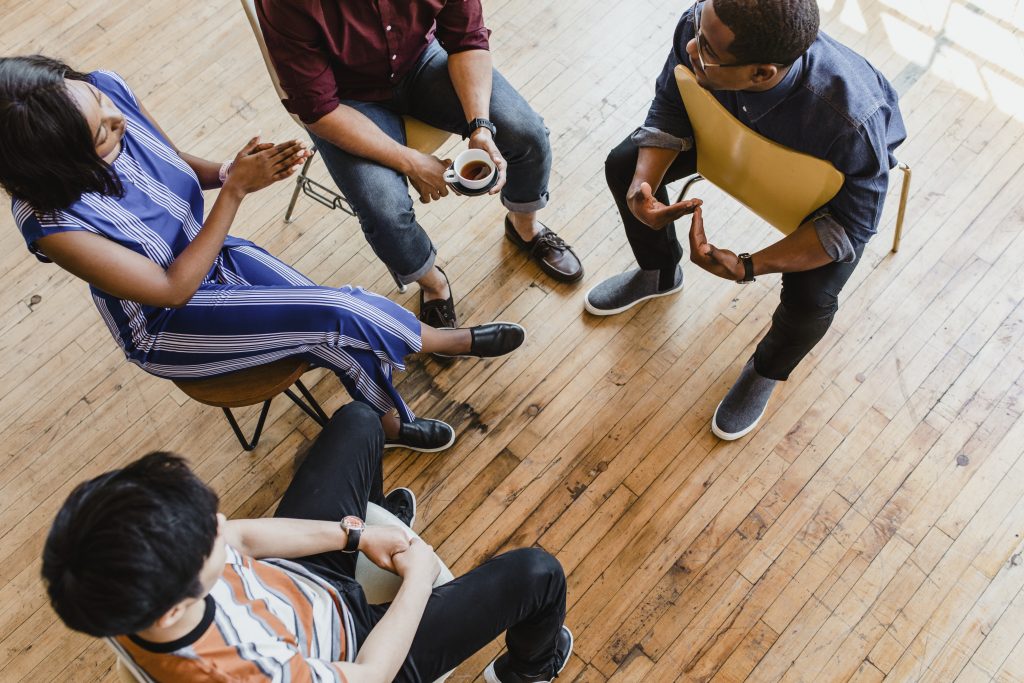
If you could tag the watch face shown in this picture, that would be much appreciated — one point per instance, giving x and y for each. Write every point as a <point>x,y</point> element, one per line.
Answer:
<point>352,522</point>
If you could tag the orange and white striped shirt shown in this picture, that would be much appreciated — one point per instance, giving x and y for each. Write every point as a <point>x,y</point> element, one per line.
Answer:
<point>266,620</point>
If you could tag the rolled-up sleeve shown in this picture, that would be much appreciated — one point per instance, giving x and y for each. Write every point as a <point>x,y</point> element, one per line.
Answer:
<point>864,157</point>
<point>667,113</point>
<point>460,26</point>
<point>296,46</point>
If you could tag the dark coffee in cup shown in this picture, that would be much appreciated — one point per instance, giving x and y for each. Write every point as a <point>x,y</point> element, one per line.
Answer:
<point>475,170</point>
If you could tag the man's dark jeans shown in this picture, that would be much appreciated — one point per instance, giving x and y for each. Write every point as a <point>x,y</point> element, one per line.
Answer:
<point>521,592</point>
<point>380,195</point>
<point>809,299</point>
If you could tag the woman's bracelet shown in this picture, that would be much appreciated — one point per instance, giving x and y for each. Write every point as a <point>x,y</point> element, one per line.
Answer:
<point>225,169</point>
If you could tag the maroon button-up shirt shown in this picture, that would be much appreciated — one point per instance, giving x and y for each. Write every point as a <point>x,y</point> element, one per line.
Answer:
<point>328,50</point>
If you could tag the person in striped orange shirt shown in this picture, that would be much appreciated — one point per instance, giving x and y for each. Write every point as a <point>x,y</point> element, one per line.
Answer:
<point>141,556</point>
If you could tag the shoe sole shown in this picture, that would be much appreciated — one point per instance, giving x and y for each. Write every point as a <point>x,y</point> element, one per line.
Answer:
<point>496,322</point>
<point>420,449</point>
<point>413,495</point>
<point>732,436</point>
<point>593,310</point>
<point>491,677</point>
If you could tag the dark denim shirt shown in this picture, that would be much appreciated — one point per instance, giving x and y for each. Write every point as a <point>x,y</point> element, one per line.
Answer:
<point>832,105</point>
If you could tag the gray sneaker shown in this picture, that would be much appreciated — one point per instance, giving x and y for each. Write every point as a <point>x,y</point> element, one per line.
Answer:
<point>743,406</point>
<point>625,290</point>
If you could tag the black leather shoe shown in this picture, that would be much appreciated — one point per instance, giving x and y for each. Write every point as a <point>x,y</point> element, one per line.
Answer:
<point>423,435</point>
<point>492,340</point>
<point>552,254</point>
<point>439,313</point>
<point>401,502</point>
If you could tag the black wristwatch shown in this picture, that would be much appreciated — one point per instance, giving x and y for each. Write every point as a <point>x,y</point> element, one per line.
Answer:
<point>353,527</point>
<point>480,123</point>
<point>748,269</point>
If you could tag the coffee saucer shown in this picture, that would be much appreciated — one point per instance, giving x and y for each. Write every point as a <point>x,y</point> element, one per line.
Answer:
<point>465,191</point>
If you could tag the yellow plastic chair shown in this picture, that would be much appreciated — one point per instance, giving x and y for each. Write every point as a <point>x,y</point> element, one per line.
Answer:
<point>777,183</point>
<point>379,586</point>
<point>418,135</point>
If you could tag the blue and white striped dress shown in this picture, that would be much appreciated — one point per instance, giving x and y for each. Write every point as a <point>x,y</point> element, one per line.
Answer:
<point>250,309</point>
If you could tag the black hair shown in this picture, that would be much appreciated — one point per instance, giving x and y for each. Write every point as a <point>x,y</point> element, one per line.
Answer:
<point>770,31</point>
<point>129,545</point>
<point>47,154</point>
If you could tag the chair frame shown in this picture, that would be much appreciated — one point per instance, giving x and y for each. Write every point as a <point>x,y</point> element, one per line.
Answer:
<point>310,406</point>
<point>318,192</point>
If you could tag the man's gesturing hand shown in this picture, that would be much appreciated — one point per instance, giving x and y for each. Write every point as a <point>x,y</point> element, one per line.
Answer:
<point>720,262</point>
<point>652,213</point>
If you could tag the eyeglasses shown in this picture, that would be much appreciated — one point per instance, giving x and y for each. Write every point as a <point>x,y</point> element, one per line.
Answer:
<point>702,44</point>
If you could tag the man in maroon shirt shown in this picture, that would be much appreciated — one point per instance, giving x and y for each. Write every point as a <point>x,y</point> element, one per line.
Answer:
<point>352,69</point>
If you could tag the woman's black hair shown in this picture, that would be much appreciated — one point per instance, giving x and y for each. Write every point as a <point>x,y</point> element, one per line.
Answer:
<point>129,545</point>
<point>47,154</point>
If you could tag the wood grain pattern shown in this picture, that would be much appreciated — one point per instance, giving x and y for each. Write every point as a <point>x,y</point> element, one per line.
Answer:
<point>870,529</point>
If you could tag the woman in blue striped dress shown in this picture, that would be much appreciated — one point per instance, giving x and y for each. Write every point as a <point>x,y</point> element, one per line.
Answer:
<point>98,189</point>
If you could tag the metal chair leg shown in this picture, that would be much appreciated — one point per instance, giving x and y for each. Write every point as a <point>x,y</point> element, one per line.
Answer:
<point>300,181</point>
<point>904,194</point>
<point>249,445</point>
<point>692,180</point>
<point>310,405</point>
<point>398,283</point>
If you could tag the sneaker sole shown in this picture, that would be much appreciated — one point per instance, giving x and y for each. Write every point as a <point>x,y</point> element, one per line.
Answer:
<point>593,310</point>
<point>413,495</point>
<point>491,677</point>
<point>732,436</point>
<point>496,322</point>
<point>420,449</point>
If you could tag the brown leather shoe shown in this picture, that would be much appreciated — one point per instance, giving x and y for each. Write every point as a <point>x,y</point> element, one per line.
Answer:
<point>552,254</point>
<point>439,313</point>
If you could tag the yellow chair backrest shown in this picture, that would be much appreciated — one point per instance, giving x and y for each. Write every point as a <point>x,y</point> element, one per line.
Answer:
<point>418,135</point>
<point>779,184</point>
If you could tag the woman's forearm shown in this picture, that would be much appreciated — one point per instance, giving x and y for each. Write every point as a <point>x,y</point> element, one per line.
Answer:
<point>189,269</point>
<point>207,171</point>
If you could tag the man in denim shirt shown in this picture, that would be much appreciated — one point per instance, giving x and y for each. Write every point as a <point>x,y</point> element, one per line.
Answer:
<point>768,64</point>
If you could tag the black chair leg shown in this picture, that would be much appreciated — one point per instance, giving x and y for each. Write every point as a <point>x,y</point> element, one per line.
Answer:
<point>249,445</point>
<point>310,405</point>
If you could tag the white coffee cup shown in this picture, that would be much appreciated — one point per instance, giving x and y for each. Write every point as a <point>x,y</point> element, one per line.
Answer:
<point>471,158</point>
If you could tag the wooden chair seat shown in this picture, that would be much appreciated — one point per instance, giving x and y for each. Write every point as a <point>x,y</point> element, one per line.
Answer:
<point>245,387</point>
<point>252,386</point>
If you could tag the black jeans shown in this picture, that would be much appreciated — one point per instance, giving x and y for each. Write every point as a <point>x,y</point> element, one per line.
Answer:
<point>809,299</point>
<point>521,592</point>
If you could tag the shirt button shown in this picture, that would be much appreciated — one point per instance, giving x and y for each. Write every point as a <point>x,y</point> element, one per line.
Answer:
<point>744,107</point>
<point>388,27</point>
<point>394,57</point>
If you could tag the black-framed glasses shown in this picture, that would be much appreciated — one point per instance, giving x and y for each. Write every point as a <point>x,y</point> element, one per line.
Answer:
<point>702,43</point>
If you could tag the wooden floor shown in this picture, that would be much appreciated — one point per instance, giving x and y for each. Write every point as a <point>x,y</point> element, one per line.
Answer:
<point>870,529</point>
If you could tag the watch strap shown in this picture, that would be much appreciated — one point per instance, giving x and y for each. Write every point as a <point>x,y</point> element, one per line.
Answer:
<point>353,532</point>
<point>748,267</point>
<point>480,123</point>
